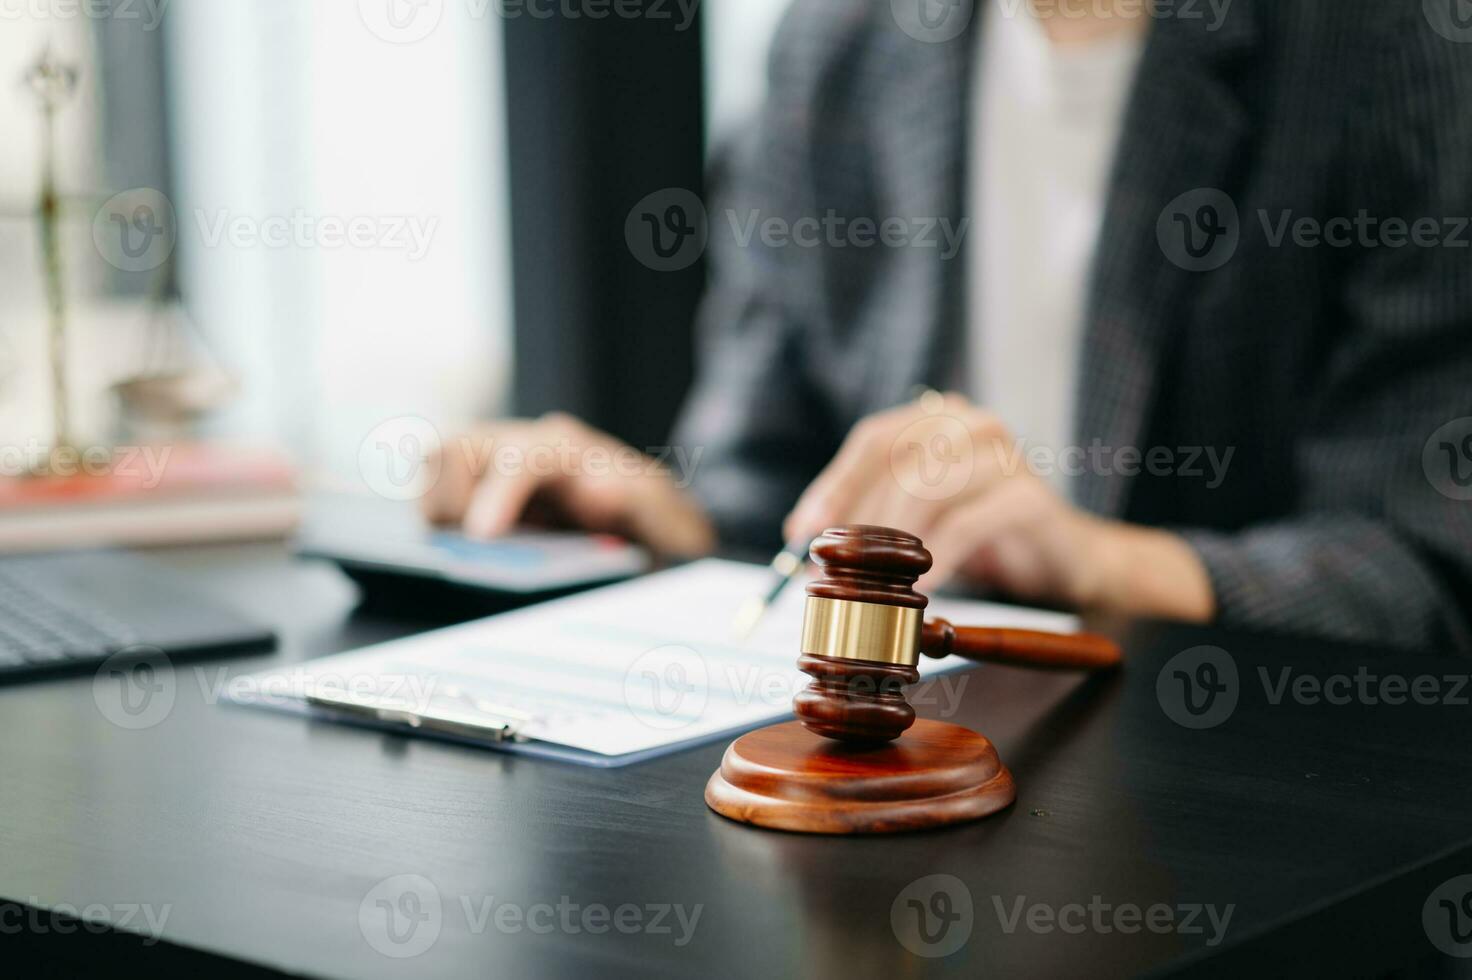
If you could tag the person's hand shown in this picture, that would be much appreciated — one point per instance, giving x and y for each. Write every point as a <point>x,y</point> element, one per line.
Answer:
<point>559,469</point>
<point>950,472</point>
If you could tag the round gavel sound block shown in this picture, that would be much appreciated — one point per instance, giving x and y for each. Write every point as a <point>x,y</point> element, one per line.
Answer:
<point>784,777</point>
<point>842,768</point>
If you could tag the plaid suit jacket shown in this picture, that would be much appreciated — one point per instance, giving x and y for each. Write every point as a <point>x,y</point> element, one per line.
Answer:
<point>1326,369</point>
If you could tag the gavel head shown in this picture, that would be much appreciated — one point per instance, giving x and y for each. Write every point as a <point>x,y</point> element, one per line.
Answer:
<point>861,634</point>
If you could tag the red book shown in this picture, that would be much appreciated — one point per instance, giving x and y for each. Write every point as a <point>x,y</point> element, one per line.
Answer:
<point>153,495</point>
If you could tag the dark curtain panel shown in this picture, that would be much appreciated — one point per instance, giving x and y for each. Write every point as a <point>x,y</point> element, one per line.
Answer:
<point>602,113</point>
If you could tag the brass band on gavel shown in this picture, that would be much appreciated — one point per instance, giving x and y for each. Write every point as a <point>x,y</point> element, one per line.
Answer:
<point>850,630</point>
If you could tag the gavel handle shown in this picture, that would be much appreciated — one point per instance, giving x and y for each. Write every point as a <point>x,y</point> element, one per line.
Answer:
<point>1024,648</point>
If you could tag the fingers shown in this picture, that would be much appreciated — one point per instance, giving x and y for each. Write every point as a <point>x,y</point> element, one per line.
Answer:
<point>523,458</point>
<point>834,496</point>
<point>589,478</point>
<point>476,489</point>
<point>456,474</point>
<point>979,524</point>
<point>661,516</point>
<point>498,503</point>
<point>906,468</point>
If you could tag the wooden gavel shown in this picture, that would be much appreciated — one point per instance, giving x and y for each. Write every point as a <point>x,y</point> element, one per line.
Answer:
<point>863,634</point>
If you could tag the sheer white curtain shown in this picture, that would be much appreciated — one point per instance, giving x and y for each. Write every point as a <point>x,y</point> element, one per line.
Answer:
<point>738,34</point>
<point>342,201</point>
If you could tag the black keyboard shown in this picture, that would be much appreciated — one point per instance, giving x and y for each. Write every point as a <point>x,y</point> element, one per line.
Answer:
<point>75,610</point>
<point>41,629</point>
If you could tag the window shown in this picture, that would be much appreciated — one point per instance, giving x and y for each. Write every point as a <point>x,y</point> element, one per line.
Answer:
<point>343,220</point>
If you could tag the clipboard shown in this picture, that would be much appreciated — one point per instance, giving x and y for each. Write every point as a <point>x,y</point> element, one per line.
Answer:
<point>609,677</point>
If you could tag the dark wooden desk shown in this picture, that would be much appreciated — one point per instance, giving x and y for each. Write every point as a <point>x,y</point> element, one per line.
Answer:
<point>1326,828</point>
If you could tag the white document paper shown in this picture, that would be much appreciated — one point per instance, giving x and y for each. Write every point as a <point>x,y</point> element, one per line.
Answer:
<point>636,667</point>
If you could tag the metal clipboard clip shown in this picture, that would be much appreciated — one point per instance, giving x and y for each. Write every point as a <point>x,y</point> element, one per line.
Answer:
<point>477,720</point>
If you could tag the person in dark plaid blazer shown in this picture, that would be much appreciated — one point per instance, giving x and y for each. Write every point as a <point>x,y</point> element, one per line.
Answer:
<point>1337,372</point>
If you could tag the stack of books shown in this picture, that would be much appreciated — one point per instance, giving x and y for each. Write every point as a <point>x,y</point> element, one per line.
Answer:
<point>153,495</point>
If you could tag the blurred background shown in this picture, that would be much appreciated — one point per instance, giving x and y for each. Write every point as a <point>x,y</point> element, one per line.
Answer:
<point>334,214</point>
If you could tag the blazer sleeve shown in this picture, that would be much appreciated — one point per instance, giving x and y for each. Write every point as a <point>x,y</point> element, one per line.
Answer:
<point>758,423</point>
<point>1380,546</point>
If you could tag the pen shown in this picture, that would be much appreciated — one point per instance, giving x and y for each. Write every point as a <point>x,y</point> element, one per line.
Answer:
<point>784,569</point>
